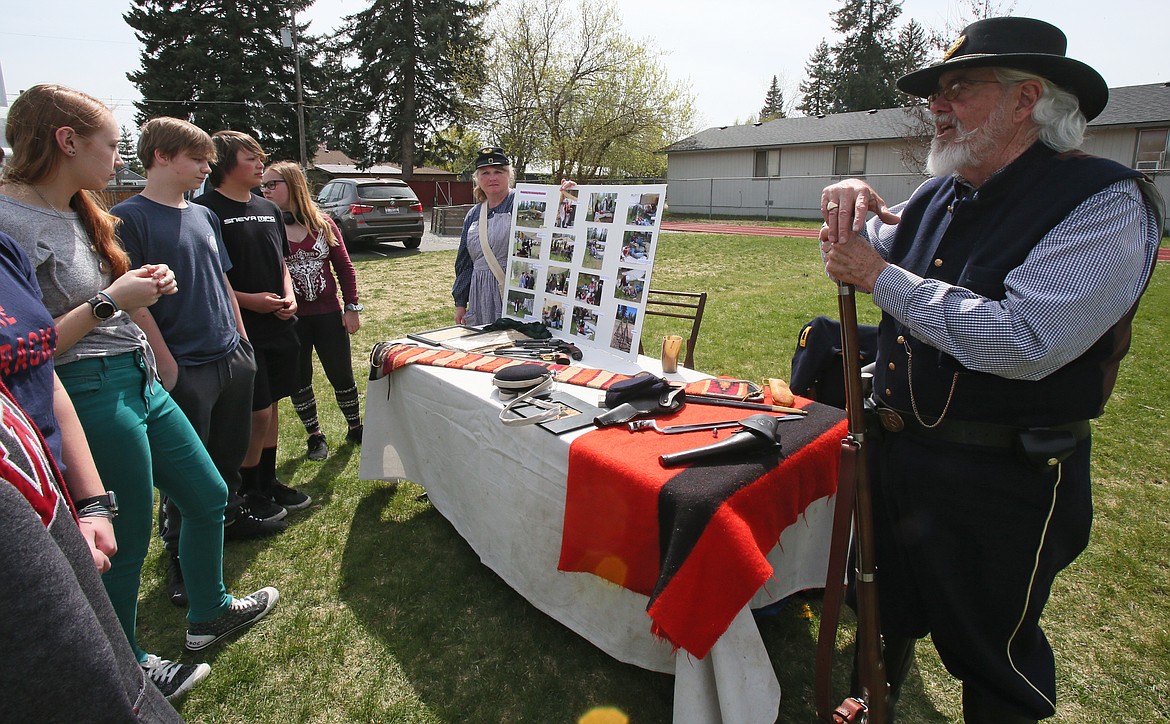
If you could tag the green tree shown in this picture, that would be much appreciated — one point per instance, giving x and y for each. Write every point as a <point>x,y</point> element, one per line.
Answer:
<point>773,102</point>
<point>454,149</point>
<point>220,64</point>
<point>400,63</point>
<point>567,89</point>
<point>913,48</point>
<point>817,90</point>
<point>865,67</point>
<point>128,150</point>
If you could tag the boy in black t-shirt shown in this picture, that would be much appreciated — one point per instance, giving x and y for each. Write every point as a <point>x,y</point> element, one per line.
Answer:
<point>253,233</point>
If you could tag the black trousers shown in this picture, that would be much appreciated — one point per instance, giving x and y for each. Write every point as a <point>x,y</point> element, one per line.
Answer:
<point>217,398</point>
<point>969,541</point>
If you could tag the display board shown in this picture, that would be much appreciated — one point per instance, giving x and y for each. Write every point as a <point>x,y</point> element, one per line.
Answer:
<point>580,261</point>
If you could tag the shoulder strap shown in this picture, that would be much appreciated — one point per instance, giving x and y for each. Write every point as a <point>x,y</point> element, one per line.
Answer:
<point>488,254</point>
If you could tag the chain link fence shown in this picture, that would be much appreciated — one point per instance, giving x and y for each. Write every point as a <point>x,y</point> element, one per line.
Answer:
<point>774,196</point>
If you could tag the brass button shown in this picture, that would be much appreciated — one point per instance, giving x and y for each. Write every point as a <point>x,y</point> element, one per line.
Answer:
<point>892,367</point>
<point>938,262</point>
<point>889,393</point>
<point>901,339</point>
<point>1052,462</point>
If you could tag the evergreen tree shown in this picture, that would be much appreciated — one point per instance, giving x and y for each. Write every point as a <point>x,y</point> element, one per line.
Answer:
<point>400,61</point>
<point>773,102</point>
<point>128,150</point>
<point>220,64</point>
<point>817,90</point>
<point>866,71</point>
<point>912,49</point>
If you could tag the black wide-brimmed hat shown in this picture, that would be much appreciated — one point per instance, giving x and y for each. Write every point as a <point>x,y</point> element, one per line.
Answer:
<point>491,156</point>
<point>1022,43</point>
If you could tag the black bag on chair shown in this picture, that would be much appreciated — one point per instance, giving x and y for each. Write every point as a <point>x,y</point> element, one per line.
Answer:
<point>818,367</point>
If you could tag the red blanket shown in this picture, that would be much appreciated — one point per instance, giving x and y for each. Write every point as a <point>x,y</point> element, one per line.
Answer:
<point>693,540</point>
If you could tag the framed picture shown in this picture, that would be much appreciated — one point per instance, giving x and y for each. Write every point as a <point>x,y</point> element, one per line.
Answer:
<point>574,415</point>
<point>469,339</point>
<point>439,337</point>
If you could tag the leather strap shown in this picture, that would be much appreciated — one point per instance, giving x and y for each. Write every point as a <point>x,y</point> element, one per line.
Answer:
<point>549,410</point>
<point>850,711</point>
<point>489,255</point>
<point>835,578</point>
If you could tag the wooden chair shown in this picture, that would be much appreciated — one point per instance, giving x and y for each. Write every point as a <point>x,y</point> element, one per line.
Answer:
<point>680,305</point>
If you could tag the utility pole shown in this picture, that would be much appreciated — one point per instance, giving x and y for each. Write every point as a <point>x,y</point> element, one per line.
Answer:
<point>288,38</point>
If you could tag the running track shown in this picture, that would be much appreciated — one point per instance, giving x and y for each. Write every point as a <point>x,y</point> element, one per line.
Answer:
<point>715,228</point>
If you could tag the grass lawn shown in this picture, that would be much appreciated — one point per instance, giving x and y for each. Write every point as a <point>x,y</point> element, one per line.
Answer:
<point>386,615</point>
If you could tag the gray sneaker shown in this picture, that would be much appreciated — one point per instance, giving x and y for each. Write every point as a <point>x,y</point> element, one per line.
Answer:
<point>173,679</point>
<point>243,612</point>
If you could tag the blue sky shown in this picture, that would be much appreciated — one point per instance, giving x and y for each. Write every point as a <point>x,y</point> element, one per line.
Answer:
<point>727,52</point>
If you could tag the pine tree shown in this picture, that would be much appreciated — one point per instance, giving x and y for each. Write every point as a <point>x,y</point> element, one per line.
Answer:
<point>220,64</point>
<point>817,90</point>
<point>773,102</point>
<point>402,60</point>
<point>128,150</point>
<point>865,69</point>
<point>912,48</point>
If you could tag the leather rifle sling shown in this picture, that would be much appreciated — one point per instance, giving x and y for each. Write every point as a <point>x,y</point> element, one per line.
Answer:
<point>835,578</point>
<point>489,255</point>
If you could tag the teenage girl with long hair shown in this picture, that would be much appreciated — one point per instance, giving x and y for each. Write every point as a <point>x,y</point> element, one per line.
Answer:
<point>319,265</point>
<point>64,146</point>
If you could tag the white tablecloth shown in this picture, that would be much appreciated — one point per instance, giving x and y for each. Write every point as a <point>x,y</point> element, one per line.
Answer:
<point>503,489</point>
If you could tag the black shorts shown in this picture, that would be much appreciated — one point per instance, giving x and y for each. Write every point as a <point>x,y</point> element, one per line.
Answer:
<point>276,375</point>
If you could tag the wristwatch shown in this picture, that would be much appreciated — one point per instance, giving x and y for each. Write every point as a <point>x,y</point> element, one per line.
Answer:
<point>354,307</point>
<point>98,506</point>
<point>102,307</point>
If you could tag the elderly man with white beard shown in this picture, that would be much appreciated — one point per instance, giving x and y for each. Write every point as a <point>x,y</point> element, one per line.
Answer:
<point>1008,284</point>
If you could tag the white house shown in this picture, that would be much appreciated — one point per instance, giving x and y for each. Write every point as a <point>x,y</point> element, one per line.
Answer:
<point>778,168</point>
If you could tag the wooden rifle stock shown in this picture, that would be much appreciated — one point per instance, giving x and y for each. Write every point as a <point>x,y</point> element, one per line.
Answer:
<point>854,504</point>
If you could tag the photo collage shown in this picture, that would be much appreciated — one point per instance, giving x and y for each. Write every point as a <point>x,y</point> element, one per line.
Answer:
<point>580,261</point>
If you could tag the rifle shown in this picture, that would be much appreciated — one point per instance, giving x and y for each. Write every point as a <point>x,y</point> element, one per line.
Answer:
<point>854,511</point>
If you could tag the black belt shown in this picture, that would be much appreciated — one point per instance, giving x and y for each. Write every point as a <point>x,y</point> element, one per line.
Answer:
<point>963,432</point>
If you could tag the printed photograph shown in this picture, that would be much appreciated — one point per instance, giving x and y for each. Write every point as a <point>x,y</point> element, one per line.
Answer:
<point>584,323</point>
<point>630,284</point>
<point>530,213</point>
<point>523,274</point>
<point>566,210</point>
<point>558,281</point>
<point>520,304</point>
<point>562,247</point>
<point>527,245</point>
<point>643,210</point>
<point>594,257</point>
<point>601,208</point>
<point>623,328</point>
<point>553,315</point>
<point>636,247</point>
<point>590,288</point>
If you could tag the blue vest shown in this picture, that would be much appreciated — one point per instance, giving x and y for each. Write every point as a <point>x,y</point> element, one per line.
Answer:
<point>973,239</point>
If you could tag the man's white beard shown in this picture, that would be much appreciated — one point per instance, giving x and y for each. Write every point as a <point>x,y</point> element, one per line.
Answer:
<point>968,149</point>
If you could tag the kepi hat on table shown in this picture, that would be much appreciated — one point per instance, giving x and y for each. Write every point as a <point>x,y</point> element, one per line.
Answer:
<point>491,156</point>
<point>1022,43</point>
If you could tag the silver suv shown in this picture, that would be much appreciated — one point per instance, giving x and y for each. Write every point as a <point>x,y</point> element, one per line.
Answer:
<point>370,210</point>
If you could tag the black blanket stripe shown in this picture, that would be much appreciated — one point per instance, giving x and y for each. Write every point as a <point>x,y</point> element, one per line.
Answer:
<point>689,500</point>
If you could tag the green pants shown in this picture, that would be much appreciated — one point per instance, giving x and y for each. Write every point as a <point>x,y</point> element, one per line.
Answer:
<point>141,440</point>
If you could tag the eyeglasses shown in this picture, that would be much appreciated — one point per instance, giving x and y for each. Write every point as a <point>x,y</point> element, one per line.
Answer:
<point>955,89</point>
<point>269,185</point>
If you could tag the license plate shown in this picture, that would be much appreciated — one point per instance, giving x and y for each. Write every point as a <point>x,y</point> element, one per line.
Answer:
<point>391,210</point>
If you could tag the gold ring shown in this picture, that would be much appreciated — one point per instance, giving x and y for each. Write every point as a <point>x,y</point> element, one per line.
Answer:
<point>832,206</point>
